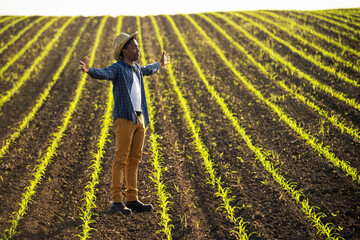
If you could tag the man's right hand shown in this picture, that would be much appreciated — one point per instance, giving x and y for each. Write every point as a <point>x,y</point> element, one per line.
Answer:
<point>85,65</point>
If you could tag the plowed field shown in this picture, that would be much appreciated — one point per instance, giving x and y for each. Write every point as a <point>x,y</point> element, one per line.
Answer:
<point>254,134</point>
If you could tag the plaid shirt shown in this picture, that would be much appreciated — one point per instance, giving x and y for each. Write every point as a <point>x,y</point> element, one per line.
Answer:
<point>120,74</point>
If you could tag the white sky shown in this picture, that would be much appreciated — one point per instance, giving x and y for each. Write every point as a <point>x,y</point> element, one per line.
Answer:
<point>155,7</point>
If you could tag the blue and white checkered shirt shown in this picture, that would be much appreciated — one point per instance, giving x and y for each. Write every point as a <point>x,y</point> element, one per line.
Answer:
<point>120,74</point>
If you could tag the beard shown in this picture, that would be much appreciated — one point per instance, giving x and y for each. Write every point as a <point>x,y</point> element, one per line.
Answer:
<point>137,56</point>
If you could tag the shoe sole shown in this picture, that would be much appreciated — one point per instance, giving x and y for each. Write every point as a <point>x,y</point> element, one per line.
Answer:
<point>140,211</point>
<point>119,213</point>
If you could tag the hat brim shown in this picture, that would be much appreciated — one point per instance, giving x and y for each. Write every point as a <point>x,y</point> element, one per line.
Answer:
<point>121,45</point>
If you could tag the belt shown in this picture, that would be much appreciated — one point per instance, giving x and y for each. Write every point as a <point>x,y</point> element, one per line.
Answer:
<point>138,113</point>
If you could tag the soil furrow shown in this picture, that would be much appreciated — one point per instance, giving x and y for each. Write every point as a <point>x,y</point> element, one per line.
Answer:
<point>22,102</point>
<point>306,117</point>
<point>17,69</point>
<point>237,167</point>
<point>188,210</point>
<point>195,209</point>
<point>14,29</point>
<point>307,66</point>
<point>20,161</point>
<point>299,163</point>
<point>68,175</point>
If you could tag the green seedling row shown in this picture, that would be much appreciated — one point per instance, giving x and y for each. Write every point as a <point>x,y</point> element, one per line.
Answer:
<point>22,51</point>
<point>295,71</point>
<point>4,19</point>
<point>17,36</point>
<point>309,29</point>
<point>323,25</point>
<point>342,25</point>
<point>339,19</point>
<point>351,130</point>
<point>310,139</point>
<point>156,160</point>
<point>315,61</point>
<point>12,23</point>
<point>24,124</point>
<point>222,192</point>
<point>91,187</point>
<point>40,168</point>
<point>298,196</point>
<point>19,83</point>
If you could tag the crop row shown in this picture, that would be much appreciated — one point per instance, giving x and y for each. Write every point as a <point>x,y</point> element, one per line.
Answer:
<point>323,25</point>
<point>315,61</point>
<point>298,196</point>
<point>20,33</point>
<point>213,179</point>
<point>311,34</point>
<point>339,24</point>
<point>348,15</point>
<point>28,44</point>
<point>294,70</point>
<point>156,160</point>
<point>3,29</point>
<point>90,194</point>
<point>40,168</point>
<point>339,19</point>
<point>310,139</point>
<point>293,90</point>
<point>310,29</point>
<point>23,124</point>
<point>4,19</point>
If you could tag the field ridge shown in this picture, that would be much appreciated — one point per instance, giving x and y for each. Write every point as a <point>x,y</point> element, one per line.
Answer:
<point>254,130</point>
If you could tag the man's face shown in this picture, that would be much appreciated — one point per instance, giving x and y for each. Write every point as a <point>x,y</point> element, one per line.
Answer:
<point>132,50</point>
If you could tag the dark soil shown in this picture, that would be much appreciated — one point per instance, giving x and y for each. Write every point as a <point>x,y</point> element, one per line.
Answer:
<point>195,209</point>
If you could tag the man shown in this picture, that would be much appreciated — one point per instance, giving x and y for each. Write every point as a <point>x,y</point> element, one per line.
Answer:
<point>131,117</point>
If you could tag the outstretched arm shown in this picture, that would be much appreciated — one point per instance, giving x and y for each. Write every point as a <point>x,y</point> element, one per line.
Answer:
<point>108,73</point>
<point>154,67</point>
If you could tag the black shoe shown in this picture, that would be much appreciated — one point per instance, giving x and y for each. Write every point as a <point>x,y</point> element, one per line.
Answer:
<point>119,207</point>
<point>138,206</point>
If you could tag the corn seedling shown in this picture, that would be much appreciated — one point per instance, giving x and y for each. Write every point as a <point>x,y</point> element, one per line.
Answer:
<point>215,181</point>
<point>351,130</point>
<point>42,98</point>
<point>90,197</point>
<point>28,44</point>
<point>331,70</point>
<point>14,38</point>
<point>157,160</point>
<point>40,168</point>
<point>294,70</point>
<point>260,155</point>
<point>311,140</point>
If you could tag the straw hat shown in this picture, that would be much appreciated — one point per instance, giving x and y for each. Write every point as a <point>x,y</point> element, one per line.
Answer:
<point>120,41</point>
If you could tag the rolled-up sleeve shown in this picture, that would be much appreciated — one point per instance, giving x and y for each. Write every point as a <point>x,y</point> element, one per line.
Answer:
<point>109,73</point>
<point>150,69</point>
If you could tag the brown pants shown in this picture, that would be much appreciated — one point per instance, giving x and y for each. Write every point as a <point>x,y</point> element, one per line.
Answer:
<point>128,153</point>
